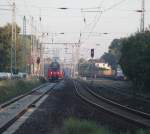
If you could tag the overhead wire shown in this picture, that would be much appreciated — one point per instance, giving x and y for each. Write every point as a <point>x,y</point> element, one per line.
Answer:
<point>92,29</point>
<point>105,10</point>
<point>96,19</point>
<point>114,5</point>
<point>87,26</point>
<point>4,7</point>
<point>9,2</point>
<point>28,13</point>
<point>59,8</point>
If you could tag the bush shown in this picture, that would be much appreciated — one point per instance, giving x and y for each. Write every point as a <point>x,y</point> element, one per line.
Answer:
<point>75,126</point>
<point>143,131</point>
<point>12,88</point>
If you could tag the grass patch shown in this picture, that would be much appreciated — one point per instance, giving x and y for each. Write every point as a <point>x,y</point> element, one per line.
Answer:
<point>12,88</point>
<point>76,126</point>
<point>141,131</point>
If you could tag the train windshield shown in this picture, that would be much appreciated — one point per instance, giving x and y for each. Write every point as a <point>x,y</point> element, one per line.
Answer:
<point>54,66</point>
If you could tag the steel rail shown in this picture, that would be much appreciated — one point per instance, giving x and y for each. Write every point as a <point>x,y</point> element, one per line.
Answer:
<point>5,126</point>
<point>5,104</point>
<point>128,94</point>
<point>138,96</point>
<point>134,116</point>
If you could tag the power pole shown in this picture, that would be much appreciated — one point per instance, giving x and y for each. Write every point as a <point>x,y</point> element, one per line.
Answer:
<point>142,25</point>
<point>32,44</point>
<point>77,57</point>
<point>24,44</point>
<point>73,62</point>
<point>40,39</point>
<point>13,44</point>
<point>78,52</point>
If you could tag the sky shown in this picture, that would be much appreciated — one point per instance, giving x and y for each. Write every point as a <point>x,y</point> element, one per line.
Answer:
<point>118,21</point>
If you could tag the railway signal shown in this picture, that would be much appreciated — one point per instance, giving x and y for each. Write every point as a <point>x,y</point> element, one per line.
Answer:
<point>92,53</point>
<point>38,60</point>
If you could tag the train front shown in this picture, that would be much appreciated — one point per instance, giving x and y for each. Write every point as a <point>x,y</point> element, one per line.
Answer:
<point>54,71</point>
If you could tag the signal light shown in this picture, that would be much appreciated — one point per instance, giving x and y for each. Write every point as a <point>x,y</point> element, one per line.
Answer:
<point>92,53</point>
<point>38,60</point>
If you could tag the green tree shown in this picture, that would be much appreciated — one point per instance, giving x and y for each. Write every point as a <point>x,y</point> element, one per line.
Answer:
<point>87,68</point>
<point>135,59</point>
<point>23,52</point>
<point>83,67</point>
<point>110,59</point>
<point>114,53</point>
<point>5,48</point>
<point>5,45</point>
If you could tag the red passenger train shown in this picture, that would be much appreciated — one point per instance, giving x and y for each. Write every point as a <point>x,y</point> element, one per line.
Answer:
<point>54,71</point>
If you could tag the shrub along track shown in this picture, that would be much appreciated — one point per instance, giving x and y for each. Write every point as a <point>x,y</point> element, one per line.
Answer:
<point>12,88</point>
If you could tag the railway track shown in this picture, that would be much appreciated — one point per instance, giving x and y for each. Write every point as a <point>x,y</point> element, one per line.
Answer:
<point>11,111</point>
<point>116,88</point>
<point>120,94</point>
<point>88,95</point>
